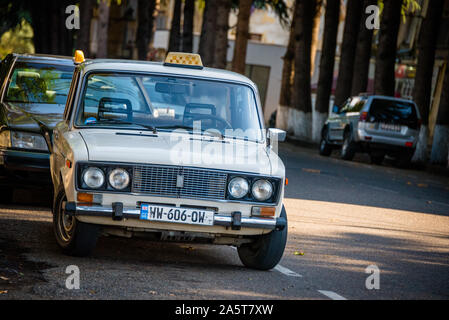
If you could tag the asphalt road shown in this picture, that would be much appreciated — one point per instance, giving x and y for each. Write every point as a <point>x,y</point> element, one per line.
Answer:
<point>343,217</point>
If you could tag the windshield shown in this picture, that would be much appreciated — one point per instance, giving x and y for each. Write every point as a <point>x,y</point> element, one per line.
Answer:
<point>39,83</point>
<point>169,103</point>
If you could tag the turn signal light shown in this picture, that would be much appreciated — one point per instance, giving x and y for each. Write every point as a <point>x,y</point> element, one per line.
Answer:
<point>85,197</point>
<point>363,116</point>
<point>264,211</point>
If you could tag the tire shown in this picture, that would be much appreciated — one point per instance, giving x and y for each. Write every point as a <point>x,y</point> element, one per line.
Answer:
<point>75,238</point>
<point>6,195</point>
<point>377,158</point>
<point>404,160</point>
<point>325,148</point>
<point>266,252</point>
<point>348,148</point>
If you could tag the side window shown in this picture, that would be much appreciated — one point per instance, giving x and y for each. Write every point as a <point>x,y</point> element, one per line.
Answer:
<point>71,96</point>
<point>346,107</point>
<point>356,105</point>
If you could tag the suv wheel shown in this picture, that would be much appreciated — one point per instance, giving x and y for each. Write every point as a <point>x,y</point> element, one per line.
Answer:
<point>325,147</point>
<point>348,148</point>
<point>73,237</point>
<point>377,158</point>
<point>266,252</point>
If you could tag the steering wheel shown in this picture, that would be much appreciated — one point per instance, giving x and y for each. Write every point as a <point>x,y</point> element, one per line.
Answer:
<point>226,124</point>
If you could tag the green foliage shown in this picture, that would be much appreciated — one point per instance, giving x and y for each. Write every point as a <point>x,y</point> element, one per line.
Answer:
<point>18,39</point>
<point>278,6</point>
<point>408,6</point>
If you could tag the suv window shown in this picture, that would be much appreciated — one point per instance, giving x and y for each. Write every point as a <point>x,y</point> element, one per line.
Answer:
<point>393,111</point>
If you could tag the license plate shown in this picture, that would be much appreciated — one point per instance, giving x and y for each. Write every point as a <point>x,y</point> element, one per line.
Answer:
<point>178,215</point>
<point>390,127</point>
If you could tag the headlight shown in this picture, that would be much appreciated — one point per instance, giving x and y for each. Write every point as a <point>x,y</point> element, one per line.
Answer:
<point>93,177</point>
<point>26,140</point>
<point>238,187</point>
<point>119,179</point>
<point>262,190</point>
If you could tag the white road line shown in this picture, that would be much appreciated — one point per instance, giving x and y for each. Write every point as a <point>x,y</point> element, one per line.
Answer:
<point>332,295</point>
<point>283,270</point>
<point>287,271</point>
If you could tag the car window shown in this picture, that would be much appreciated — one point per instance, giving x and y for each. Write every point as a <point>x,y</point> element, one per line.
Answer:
<point>169,103</point>
<point>393,111</point>
<point>39,83</point>
<point>356,105</point>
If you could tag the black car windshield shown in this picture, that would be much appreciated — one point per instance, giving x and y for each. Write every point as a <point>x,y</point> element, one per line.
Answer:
<point>39,83</point>
<point>170,103</point>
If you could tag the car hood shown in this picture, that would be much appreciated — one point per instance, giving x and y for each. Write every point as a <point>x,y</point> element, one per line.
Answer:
<point>176,149</point>
<point>32,117</point>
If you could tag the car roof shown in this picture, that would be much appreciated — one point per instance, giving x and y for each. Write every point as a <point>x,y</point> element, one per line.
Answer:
<point>159,67</point>
<point>44,58</point>
<point>374,96</point>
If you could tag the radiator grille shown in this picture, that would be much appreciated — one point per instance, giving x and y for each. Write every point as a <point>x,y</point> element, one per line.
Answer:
<point>162,181</point>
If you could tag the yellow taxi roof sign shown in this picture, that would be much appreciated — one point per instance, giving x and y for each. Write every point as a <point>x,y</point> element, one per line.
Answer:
<point>182,59</point>
<point>79,57</point>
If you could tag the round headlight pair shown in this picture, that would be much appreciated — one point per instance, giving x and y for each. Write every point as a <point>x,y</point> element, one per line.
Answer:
<point>261,189</point>
<point>94,178</point>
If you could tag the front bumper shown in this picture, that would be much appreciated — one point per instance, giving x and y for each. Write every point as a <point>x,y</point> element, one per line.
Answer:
<point>117,212</point>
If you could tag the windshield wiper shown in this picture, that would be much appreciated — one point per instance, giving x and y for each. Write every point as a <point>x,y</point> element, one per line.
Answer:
<point>210,133</point>
<point>146,126</point>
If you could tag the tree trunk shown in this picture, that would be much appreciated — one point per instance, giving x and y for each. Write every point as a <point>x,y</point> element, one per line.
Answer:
<point>102,30</point>
<point>41,22</point>
<point>363,54</point>
<point>221,34</point>
<point>174,43</point>
<point>315,32</point>
<point>302,102</point>
<point>384,81</point>
<point>242,36</point>
<point>422,90</point>
<point>86,8</point>
<point>207,38</point>
<point>348,50</point>
<point>187,28</point>
<point>440,146</point>
<point>327,63</point>
<point>145,27</point>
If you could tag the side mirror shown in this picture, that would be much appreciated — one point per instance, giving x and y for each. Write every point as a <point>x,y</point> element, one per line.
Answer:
<point>335,109</point>
<point>276,134</point>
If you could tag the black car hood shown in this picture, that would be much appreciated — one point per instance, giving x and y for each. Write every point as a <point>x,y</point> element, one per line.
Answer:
<point>31,117</point>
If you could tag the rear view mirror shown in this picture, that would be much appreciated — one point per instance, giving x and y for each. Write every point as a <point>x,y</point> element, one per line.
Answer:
<point>277,134</point>
<point>170,88</point>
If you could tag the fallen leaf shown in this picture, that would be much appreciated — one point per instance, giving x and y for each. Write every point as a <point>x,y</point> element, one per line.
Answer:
<point>422,185</point>
<point>4,278</point>
<point>298,253</point>
<point>311,170</point>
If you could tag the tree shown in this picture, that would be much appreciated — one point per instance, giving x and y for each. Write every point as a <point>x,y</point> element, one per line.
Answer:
<point>242,36</point>
<point>348,50</point>
<point>207,38</point>
<point>287,68</point>
<point>145,20</point>
<point>315,32</point>
<point>440,146</point>
<point>327,63</point>
<point>83,37</point>
<point>384,80</point>
<point>174,43</point>
<point>302,102</point>
<point>221,34</point>
<point>427,42</point>
<point>363,54</point>
<point>102,31</point>
<point>187,28</point>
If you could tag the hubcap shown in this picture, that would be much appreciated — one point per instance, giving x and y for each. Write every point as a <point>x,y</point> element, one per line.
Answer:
<point>66,223</point>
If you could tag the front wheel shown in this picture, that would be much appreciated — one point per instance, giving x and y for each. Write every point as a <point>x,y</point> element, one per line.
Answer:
<point>75,238</point>
<point>266,252</point>
<point>325,147</point>
<point>348,149</point>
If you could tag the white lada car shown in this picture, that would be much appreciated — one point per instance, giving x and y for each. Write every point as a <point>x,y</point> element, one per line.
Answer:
<point>170,151</point>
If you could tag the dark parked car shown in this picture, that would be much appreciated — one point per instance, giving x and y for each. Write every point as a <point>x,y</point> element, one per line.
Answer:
<point>33,92</point>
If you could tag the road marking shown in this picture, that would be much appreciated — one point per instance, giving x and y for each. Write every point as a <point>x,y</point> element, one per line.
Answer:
<point>283,270</point>
<point>287,271</point>
<point>332,295</point>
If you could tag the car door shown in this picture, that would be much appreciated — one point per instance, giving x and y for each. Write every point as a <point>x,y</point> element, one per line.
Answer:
<point>337,123</point>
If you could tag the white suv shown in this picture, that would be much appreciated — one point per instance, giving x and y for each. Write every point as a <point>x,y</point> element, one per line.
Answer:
<point>170,151</point>
<point>379,125</point>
